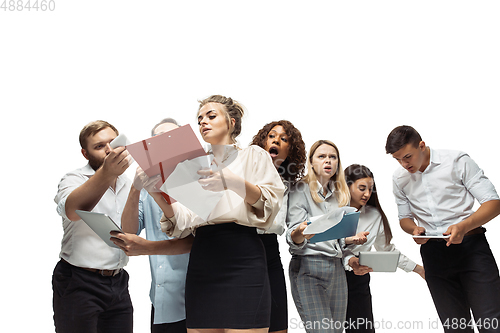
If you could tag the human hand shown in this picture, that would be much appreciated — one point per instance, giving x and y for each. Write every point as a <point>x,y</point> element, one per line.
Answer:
<point>456,233</point>
<point>419,231</point>
<point>298,236</point>
<point>420,271</point>
<point>131,244</point>
<point>117,161</point>
<point>359,238</point>
<point>219,180</point>
<point>357,268</point>
<point>141,180</point>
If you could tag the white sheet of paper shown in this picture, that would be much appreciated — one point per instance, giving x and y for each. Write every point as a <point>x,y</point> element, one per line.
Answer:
<point>183,186</point>
<point>324,222</point>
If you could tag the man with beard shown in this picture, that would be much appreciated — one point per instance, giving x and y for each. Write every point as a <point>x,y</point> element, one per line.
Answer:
<point>90,286</point>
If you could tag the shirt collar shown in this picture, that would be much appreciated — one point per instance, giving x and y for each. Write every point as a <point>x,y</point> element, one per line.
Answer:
<point>435,158</point>
<point>87,170</point>
<point>320,190</point>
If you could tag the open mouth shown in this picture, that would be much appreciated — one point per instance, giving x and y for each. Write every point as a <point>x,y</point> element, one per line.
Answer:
<point>273,151</point>
<point>328,169</point>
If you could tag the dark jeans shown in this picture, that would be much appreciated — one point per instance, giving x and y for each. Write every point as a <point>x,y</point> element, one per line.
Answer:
<point>177,327</point>
<point>87,302</point>
<point>359,316</point>
<point>463,277</point>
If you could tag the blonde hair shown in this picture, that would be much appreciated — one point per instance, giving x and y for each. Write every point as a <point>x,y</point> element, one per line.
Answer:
<point>234,110</point>
<point>340,188</point>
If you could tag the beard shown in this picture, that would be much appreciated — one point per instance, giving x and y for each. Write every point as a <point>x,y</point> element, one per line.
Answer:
<point>95,162</point>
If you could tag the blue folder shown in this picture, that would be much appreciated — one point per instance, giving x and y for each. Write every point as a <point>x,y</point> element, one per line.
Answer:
<point>345,228</point>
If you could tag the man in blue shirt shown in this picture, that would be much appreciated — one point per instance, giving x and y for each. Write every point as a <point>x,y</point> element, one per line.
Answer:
<point>168,258</point>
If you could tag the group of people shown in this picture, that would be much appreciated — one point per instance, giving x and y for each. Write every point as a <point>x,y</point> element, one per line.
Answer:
<point>224,273</point>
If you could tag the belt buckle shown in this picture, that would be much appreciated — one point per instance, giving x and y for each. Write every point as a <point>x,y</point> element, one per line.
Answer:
<point>109,272</point>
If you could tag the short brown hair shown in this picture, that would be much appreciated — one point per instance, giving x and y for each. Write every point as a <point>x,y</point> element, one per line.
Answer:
<point>400,137</point>
<point>92,128</point>
<point>233,110</point>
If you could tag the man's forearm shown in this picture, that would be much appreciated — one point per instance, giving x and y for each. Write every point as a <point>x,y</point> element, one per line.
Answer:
<point>485,213</point>
<point>87,195</point>
<point>130,215</point>
<point>408,225</point>
<point>171,247</point>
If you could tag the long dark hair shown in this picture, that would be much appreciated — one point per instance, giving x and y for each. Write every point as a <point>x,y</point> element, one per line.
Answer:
<point>292,168</point>
<point>356,171</point>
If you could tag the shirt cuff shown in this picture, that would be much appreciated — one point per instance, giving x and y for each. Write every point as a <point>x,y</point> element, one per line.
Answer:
<point>346,262</point>
<point>167,224</point>
<point>292,244</point>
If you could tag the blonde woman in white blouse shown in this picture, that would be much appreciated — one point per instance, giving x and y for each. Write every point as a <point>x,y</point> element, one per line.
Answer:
<point>372,219</point>
<point>227,287</point>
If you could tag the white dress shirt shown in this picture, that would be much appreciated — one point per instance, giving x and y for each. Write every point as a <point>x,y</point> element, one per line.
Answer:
<point>80,245</point>
<point>444,193</point>
<point>370,220</point>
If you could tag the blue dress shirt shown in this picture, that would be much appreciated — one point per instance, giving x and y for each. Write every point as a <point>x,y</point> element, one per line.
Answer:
<point>168,273</point>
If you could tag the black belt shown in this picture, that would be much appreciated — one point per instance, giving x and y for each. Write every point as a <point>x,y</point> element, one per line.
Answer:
<point>103,272</point>
<point>475,231</point>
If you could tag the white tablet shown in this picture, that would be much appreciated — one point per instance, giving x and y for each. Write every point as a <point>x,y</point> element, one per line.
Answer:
<point>380,261</point>
<point>102,225</point>
<point>120,141</point>
<point>431,236</point>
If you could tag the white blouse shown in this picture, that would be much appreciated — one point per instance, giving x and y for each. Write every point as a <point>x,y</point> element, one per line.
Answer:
<point>254,165</point>
<point>278,227</point>
<point>370,220</point>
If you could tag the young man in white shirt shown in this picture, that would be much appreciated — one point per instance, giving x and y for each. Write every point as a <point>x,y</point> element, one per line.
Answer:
<point>90,287</point>
<point>437,188</point>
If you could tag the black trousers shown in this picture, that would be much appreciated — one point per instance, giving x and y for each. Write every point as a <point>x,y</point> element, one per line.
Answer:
<point>461,278</point>
<point>87,302</point>
<point>177,327</point>
<point>359,315</point>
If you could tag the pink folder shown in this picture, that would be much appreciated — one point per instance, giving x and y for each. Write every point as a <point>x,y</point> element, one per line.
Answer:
<point>160,154</point>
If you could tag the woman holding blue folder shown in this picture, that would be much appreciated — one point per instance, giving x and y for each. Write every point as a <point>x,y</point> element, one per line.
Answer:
<point>372,219</point>
<point>317,278</point>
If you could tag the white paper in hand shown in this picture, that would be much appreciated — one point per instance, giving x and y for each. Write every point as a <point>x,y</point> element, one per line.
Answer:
<point>183,186</point>
<point>324,222</point>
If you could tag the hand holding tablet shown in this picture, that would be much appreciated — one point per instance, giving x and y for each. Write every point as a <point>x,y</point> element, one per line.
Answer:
<point>431,235</point>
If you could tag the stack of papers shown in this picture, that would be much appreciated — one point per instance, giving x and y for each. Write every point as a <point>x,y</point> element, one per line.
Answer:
<point>184,187</point>
<point>337,224</point>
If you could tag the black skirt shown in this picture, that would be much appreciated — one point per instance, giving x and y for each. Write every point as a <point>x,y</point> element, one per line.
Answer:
<point>227,284</point>
<point>279,306</point>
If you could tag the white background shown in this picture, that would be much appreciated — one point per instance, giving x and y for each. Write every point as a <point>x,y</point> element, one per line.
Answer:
<point>344,71</point>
